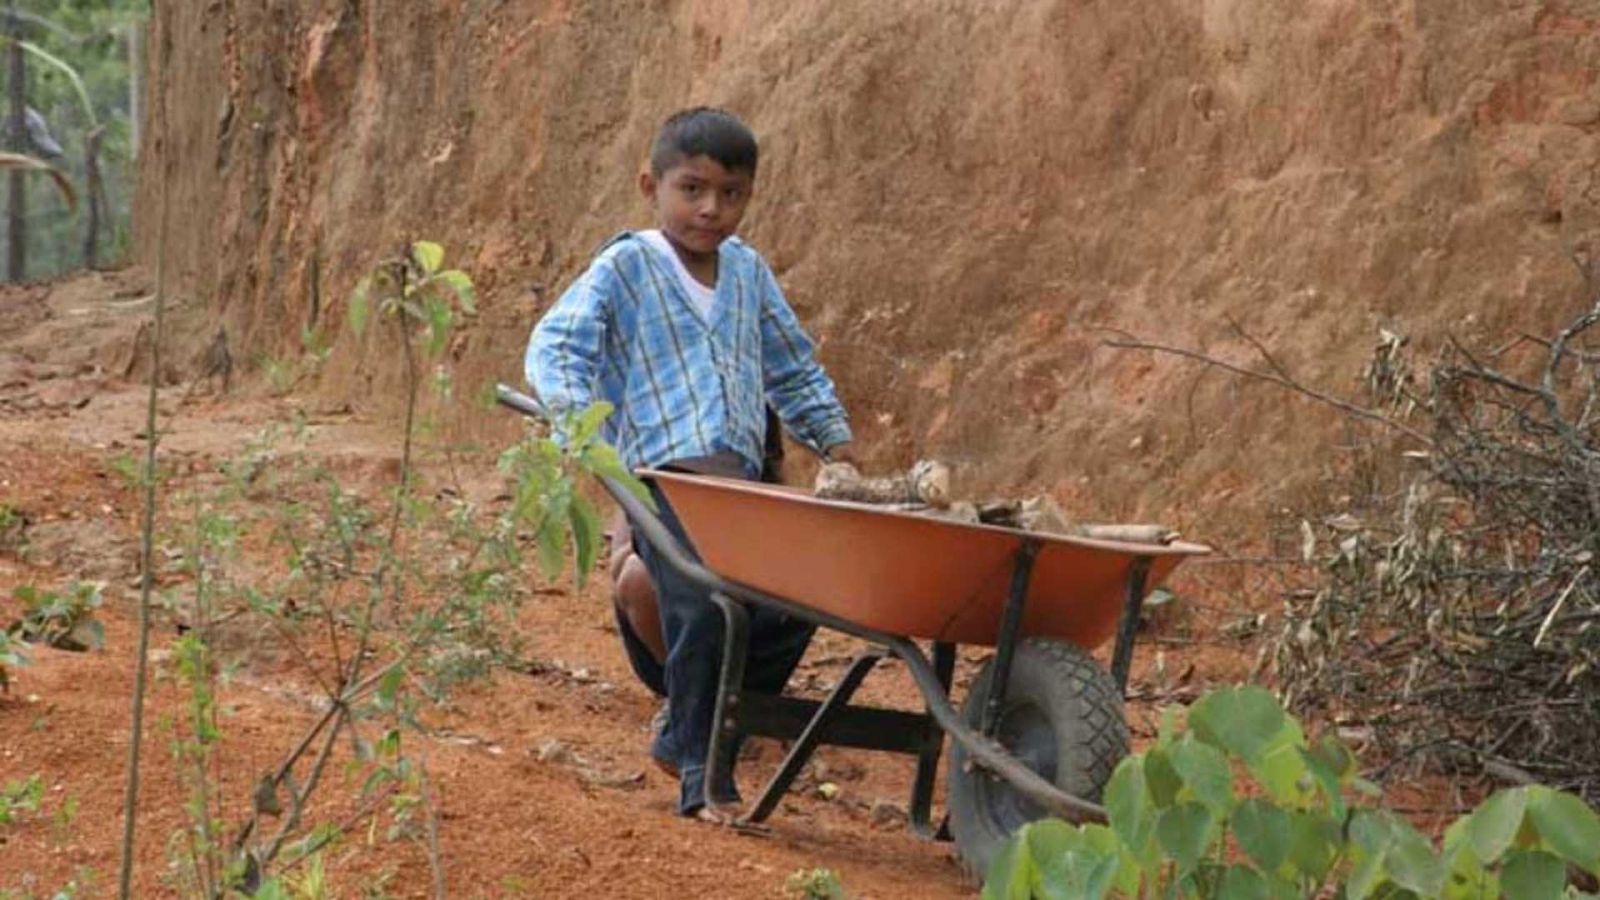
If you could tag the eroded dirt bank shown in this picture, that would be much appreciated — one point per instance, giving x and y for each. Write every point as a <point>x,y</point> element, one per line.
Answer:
<point>963,199</point>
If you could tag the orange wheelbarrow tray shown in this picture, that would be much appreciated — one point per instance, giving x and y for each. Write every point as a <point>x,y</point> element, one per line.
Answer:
<point>890,577</point>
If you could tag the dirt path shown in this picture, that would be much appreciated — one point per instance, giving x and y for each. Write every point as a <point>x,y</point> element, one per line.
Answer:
<point>543,779</point>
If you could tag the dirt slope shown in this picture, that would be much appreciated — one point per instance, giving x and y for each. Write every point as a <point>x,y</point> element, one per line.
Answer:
<point>963,199</point>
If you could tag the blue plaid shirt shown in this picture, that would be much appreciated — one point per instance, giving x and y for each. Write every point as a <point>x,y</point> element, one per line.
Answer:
<point>684,385</point>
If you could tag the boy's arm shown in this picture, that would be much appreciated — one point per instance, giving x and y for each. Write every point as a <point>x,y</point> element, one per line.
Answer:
<point>800,391</point>
<point>562,364</point>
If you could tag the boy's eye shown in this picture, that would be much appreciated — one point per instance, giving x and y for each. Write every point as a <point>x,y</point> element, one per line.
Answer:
<point>691,189</point>
<point>733,193</point>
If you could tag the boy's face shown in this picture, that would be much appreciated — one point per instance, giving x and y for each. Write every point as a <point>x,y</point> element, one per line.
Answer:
<point>698,203</point>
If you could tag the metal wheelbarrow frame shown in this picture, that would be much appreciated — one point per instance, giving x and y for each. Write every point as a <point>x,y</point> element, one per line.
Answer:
<point>835,720</point>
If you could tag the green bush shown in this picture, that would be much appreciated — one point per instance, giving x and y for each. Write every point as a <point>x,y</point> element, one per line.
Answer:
<point>1241,804</point>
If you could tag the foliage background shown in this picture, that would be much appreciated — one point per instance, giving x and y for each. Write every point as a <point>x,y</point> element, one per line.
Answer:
<point>91,36</point>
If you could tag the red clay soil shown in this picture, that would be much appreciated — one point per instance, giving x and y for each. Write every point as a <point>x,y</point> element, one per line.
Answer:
<point>541,779</point>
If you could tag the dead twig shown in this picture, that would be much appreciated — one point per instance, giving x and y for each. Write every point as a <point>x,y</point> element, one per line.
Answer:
<point>1274,378</point>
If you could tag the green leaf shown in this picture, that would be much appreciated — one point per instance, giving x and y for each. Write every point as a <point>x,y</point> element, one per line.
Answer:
<point>601,460</point>
<point>428,256</point>
<point>1243,720</point>
<point>1128,804</point>
<point>1494,824</point>
<point>1160,778</point>
<point>1168,730</point>
<point>1335,756</point>
<point>360,305</point>
<point>1103,840</point>
<point>1567,825</point>
<point>587,424</point>
<point>1049,838</point>
<point>1243,883</point>
<point>1281,771</point>
<point>461,283</point>
<point>389,685</point>
<point>272,889</point>
<point>72,77</point>
<point>439,319</point>
<point>1264,833</point>
<point>1080,874</point>
<point>1205,771</point>
<point>1185,832</point>
<point>1412,864</point>
<point>1011,873</point>
<point>1312,842</point>
<point>1533,875</point>
<point>552,534</point>
<point>586,535</point>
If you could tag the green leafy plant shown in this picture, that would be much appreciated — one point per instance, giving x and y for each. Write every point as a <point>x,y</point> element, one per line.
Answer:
<point>1243,804</point>
<point>61,821</point>
<point>11,657</point>
<point>61,619</point>
<point>285,374</point>
<point>20,796</point>
<point>814,884</point>
<point>414,288</point>
<point>384,602</point>
<point>11,525</point>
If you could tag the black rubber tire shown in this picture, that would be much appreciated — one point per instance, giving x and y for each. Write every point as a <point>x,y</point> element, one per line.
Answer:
<point>1062,718</point>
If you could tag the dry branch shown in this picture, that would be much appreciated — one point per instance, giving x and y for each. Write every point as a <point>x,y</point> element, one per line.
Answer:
<point>1459,617</point>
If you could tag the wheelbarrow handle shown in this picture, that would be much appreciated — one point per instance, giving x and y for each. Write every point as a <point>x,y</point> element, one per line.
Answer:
<point>509,396</point>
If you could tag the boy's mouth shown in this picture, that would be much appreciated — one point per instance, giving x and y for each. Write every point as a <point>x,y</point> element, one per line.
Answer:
<point>704,235</point>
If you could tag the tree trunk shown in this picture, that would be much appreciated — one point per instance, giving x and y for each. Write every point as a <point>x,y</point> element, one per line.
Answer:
<point>17,208</point>
<point>96,190</point>
<point>135,86</point>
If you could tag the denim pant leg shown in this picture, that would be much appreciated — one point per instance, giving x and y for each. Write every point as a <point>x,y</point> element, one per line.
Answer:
<point>640,659</point>
<point>693,628</point>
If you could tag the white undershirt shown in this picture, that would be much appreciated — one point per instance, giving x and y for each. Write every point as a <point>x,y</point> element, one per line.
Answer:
<point>703,297</point>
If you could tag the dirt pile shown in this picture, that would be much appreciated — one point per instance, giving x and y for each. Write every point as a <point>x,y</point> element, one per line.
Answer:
<point>961,199</point>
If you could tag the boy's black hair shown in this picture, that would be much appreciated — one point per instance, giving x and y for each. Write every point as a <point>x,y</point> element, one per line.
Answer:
<point>704,131</point>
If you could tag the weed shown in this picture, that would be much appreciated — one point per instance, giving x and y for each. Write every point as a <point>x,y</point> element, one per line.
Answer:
<point>814,884</point>
<point>18,797</point>
<point>61,821</point>
<point>11,657</point>
<point>128,468</point>
<point>284,375</point>
<point>12,525</point>
<point>61,619</point>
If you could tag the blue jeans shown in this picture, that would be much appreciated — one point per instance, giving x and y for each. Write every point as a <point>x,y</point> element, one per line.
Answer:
<point>693,628</point>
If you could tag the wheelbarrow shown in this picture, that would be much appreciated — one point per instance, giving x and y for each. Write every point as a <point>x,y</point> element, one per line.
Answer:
<point>1042,725</point>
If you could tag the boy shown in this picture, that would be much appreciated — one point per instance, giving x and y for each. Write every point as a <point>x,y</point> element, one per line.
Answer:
<point>684,329</point>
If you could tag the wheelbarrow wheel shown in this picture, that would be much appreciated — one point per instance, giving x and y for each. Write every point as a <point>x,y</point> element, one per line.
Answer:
<point>1062,718</point>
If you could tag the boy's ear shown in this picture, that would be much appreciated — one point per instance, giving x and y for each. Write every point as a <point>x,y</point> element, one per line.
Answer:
<point>647,185</point>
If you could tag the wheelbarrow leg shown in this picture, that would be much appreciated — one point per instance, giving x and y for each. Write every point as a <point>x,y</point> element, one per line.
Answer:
<point>921,811</point>
<point>725,721</point>
<point>1010,633</point>
<point>1122,656</point>
<point>806,743</point>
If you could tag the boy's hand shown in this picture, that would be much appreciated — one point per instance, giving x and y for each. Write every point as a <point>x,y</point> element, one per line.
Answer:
<point>841,453</point>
